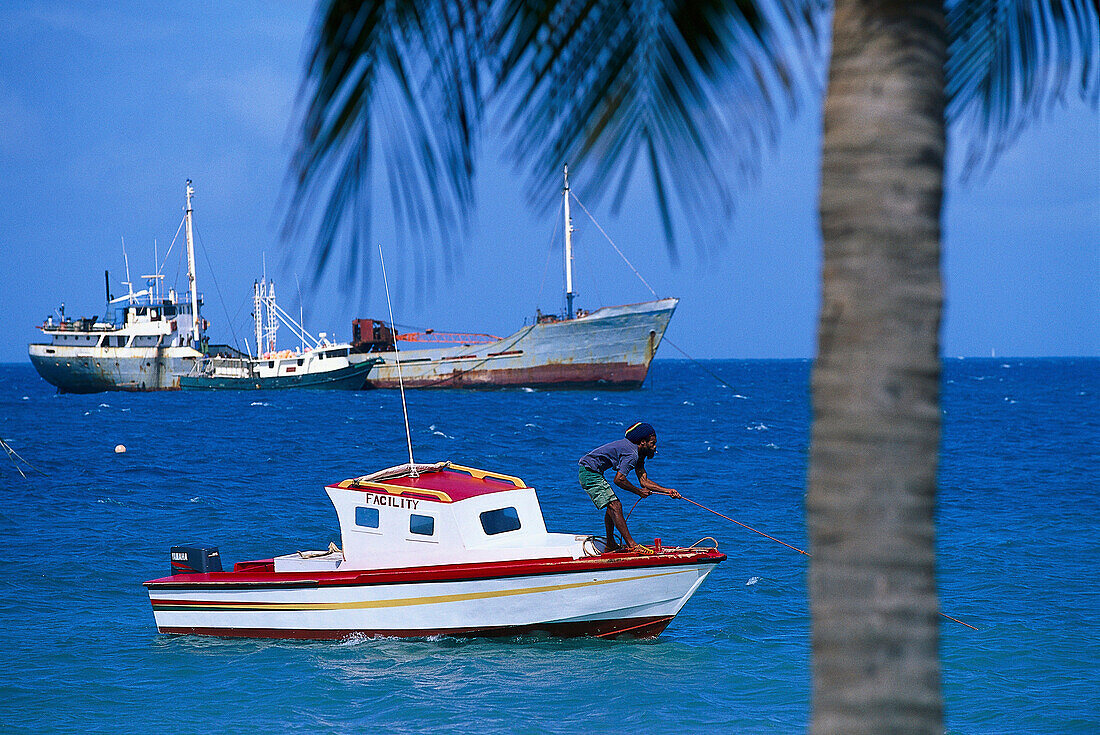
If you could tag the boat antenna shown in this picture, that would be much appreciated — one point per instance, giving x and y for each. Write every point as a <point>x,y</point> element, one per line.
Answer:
<point>397,355</point>
<point>301,311</point>
<point>257,315</point>
<point>568,250</point>
<point>129,284</point>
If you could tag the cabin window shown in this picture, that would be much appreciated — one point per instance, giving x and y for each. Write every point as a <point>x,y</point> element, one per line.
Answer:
<point>366,517</point>
<point>422,525</point>
<point>501,520</point>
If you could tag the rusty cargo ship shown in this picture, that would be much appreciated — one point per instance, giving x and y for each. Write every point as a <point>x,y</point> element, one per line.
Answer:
<point>609,347</point>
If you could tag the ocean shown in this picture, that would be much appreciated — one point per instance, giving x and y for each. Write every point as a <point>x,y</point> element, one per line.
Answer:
<point>1017,547</point>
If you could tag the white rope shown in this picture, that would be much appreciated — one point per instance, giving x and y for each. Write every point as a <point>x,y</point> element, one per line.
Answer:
<point>397,356</point>
<point>620,252</point>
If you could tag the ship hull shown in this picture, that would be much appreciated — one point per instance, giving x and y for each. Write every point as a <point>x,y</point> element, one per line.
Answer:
<point>95,369</point>
<point>609,348</point>
<point>348,378</point>
<point>601,597</point>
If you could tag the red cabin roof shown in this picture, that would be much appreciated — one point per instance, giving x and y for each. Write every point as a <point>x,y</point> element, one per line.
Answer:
<point>450,484</point>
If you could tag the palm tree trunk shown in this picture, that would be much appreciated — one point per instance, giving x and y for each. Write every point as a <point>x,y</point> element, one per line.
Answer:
<point>876,417</point>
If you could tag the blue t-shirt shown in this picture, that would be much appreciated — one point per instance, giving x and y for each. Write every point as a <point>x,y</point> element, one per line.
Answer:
<point>620,455</point>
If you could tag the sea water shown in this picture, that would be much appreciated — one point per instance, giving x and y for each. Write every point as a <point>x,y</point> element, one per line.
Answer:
<point>79,652</point>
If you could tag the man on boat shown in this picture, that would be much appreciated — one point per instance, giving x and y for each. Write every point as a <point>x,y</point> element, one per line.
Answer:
<point>622,455</point>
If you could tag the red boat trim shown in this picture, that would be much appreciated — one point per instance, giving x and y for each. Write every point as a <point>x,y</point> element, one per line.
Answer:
<point>458,595</point>
<point>442,573</point>
<point>643,627</point>
<point>451,484</point>
<point>619,375</point>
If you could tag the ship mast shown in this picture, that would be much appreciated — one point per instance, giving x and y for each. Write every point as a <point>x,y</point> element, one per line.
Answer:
<point>257,314</point>
<point>568,251</point>
<point>191,271</point>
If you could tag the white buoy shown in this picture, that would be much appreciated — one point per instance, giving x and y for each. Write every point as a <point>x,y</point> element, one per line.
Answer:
<point>120,449</point>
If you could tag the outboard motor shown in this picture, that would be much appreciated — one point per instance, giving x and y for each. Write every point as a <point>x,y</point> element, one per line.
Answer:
<point>195,560</point>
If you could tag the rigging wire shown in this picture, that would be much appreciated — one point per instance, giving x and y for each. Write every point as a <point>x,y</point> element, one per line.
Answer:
<point>616,247</point>
<point>171,245</point>
<point>703,367</point>
<point>232,329</point>
<point>13,456</point>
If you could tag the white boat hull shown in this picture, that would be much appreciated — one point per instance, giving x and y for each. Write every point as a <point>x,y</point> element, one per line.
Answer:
<point>638,597</point>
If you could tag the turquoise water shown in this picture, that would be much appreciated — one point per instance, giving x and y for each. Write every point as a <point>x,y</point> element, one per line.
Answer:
<point>79,652</point>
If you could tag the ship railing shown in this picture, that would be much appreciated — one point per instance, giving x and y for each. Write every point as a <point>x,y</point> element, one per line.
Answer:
<point>78,325</point>
<point>224,367</point>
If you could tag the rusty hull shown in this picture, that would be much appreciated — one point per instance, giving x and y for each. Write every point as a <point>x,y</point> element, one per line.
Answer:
<point>611,347</point>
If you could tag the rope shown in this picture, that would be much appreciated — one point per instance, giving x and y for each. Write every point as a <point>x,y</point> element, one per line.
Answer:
<point>800,551</point>
<point>739,523</point>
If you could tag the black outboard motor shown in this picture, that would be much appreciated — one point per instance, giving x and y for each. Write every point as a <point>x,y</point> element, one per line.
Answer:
<point>195,560</point>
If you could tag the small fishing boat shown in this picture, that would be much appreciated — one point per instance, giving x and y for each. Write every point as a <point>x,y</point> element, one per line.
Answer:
<point>317,362</point>
<point>439,549</point>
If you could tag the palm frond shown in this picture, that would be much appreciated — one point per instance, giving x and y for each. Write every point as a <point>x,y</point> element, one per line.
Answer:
<point>403,78</point>
<point>696,88</point>
<point>1010,59</point>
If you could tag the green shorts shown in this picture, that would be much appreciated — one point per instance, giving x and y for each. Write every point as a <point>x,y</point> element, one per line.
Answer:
<point>597,488</point>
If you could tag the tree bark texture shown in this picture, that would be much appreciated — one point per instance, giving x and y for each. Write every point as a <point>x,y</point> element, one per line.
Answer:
<point>876,417</point>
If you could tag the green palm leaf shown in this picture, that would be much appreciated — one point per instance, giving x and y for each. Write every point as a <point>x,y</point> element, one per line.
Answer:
<point>1008,60</point>
<point>695,89</point>
<point>400,79</point>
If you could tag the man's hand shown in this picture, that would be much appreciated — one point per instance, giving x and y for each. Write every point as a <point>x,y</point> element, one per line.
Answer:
<point>674,493</point>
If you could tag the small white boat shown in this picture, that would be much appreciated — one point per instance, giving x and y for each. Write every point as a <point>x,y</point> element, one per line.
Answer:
<point>433,550</point>
<point>316,363</point>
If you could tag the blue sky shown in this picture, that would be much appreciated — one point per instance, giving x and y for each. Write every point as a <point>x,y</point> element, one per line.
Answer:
<point>106,109</point>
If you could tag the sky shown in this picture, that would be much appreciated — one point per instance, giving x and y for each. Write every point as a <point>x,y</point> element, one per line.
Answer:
<point>106,109</point>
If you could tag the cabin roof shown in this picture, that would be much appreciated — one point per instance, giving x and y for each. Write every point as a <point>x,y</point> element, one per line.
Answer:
<point>448,483</point>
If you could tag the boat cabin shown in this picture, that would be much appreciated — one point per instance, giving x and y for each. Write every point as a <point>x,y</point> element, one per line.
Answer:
<point>446,514</point>
<point>134,320</point>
